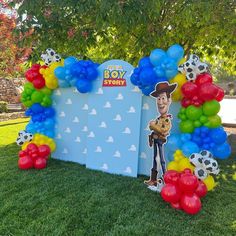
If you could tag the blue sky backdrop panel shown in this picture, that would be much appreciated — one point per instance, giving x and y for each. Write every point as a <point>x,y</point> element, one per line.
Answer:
<point>114,125</point>
<point>71,127</point>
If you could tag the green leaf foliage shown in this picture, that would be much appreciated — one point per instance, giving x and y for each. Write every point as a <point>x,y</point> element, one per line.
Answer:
<point>130,29</point>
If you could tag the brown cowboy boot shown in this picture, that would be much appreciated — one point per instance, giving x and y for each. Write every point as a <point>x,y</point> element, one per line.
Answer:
<point>153,179</point>
<point>150,140</point>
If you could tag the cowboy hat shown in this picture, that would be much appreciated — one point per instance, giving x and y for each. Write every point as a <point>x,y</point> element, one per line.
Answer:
<point>163,87</point>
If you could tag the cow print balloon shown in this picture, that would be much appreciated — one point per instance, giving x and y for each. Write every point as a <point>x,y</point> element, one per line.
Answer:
<point>23,137</point>
<point>204,164</point>
<point>50,56</point>
<point>193,67</point>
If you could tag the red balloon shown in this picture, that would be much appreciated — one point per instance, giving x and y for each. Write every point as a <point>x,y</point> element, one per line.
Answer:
<point>44,151</point>
<point>39,83</point>
<point>187,171</point>
<point>207,91</point>
<point>201,190</point>
<point>203,78</point>
<point>220,94</point>
<point>171,177</point>
<point>186,102</point>
<point>22,153</point>
<point>25,163</point>
<point>35,67</point>
<point>170,193</point>
<point>188,183</point>
<point>189,89</point>
<point>32,150</point>
<point>32,147</point>
<point>176,205</point>
<point>40,163</point>
<point>30,75</point>
<point>191,204</point>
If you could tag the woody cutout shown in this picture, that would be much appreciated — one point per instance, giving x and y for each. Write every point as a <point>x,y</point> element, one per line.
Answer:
<point>160,128</point>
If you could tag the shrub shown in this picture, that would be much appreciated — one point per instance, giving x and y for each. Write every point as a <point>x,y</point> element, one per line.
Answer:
<point>3,107</point>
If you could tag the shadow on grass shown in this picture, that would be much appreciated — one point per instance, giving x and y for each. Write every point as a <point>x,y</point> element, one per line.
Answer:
<point>16,123</point>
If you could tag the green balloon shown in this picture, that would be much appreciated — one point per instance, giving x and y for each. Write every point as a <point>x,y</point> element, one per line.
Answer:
<point>181,116</point>
<point>186,126</point>
<point>197,123</point>
<point>36,97</point>
<point>213,121</point>
<point>47,101</point>
<point>211,108</point>
<point>29,91</point>
<point>28,103</point>
<point>203,119</point>
<point>193,113</point>
<point>28,85</point>
<point>46,91</point>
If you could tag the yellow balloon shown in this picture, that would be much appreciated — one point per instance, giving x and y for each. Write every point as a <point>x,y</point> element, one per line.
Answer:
<point>40,139</point>
<point>180,79</point>
<point>209,182</point>
<point>48,74</point>
<point>172,165</point>
<point>184,163</point>
<point>176,95</point>
<point>24,146</point>
<point>182,61</point>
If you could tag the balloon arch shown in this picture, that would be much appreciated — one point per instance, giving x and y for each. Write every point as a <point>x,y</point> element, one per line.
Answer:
<point>190,173</point>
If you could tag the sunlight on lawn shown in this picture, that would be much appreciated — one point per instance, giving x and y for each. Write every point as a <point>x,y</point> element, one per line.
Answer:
<point>9,130</point>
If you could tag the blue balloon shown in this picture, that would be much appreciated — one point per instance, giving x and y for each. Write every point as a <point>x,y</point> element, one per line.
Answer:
<point>163,79</point>
<point>83,86</point>
<point>73,82</point>
<point>144,62</point>
<point>30,128</point>
<point>49,133</point>
<point>218,135</point>
<point>176,52</point>
<point>159,71</point>
<point>76,69</point>
<point>60,73</point>
<point>63,83</point>
<point>147,90</point>
<point>185,137</point>
<point>157,56</point>
<point>171,73</point>
<point>222,151</point>
<point>190,147</point>
<point>92,73</point>
<point>49,124</point>
<point>134,79</point>
<point>137,71</point>
<point>148,77</point>
<point>37,108</point>
<point>174,142</point>
<point>170,64</point>
<point>49,112</point>
<point>70,61</point>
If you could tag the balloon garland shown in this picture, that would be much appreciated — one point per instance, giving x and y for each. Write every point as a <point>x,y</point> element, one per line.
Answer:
<point>37,140</point>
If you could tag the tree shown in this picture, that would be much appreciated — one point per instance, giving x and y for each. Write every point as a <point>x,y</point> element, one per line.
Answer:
<point>130,29</point>
<point>11,55</point>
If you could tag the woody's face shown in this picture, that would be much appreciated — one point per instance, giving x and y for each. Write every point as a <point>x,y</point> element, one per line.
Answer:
<point>163,103</point>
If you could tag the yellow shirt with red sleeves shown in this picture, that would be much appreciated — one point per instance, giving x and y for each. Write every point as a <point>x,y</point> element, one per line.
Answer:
<point>161,127</point>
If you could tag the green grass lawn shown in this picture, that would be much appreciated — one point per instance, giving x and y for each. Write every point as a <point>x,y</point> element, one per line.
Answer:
<point>68,199</point>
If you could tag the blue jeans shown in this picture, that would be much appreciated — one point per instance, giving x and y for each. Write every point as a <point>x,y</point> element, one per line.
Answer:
<point>158,147</point>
